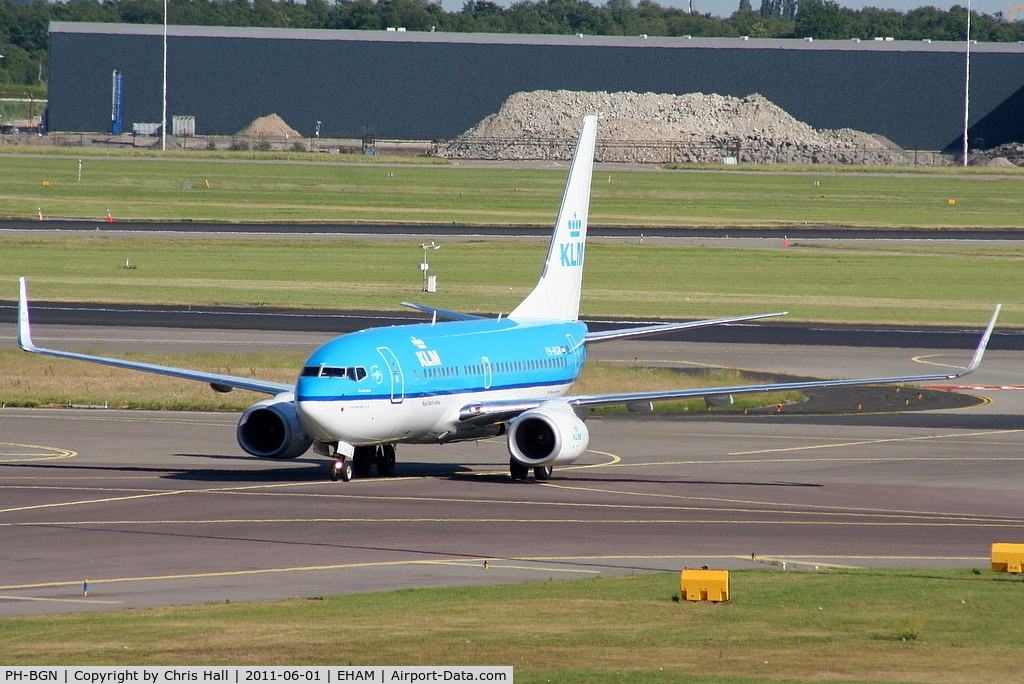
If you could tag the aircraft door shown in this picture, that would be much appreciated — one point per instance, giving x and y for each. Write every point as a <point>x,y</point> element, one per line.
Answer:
<point>485,364</point>
<point>395,373</point>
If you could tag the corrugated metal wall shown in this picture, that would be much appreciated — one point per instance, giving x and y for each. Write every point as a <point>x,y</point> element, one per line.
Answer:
<point>426,90</point>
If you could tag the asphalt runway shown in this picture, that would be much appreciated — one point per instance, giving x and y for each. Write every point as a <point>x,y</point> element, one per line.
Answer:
<point>163,508</point>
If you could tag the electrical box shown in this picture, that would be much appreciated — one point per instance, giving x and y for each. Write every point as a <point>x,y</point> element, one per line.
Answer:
<point>1007,557</point>
<point>704,585</point>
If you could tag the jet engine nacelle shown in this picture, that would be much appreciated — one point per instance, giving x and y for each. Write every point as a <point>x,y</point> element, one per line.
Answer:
<point>547,436</point>
<point>271,429</point>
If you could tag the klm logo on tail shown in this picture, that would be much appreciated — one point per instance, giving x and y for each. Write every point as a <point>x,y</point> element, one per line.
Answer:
<point>575,225</point>
<point>571,253</point>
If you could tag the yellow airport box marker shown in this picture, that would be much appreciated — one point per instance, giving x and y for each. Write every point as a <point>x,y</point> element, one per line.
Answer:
<point>704,585</point>
<point>1007,557</point>
<point>951,201</point>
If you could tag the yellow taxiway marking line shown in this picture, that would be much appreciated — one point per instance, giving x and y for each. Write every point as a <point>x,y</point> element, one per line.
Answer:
<point>773,506</point>
<point>837,459</point>
<point>56,600</point>
<point>496,563</point>
<point>153,494</point>
<point>58,453</point>
<point>889,520</point>
<point>122,416</point>
<point>89,501</point>
<point>891,440</point>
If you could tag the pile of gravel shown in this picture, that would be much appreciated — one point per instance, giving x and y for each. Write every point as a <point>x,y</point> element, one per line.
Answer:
<point>657,128</point>
<point>1006,156</point>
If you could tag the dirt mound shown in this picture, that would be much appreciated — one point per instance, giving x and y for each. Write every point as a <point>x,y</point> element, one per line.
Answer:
<point>1007,155</point>
<point>270,127</point>
<point>650,127</point>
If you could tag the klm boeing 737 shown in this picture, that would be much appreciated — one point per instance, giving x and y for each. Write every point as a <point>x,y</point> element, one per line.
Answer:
<point>466,378</point>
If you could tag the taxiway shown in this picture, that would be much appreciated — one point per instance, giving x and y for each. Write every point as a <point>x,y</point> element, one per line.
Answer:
<point>163,508</point>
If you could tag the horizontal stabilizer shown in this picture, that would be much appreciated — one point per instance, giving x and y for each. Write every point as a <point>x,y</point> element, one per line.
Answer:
<point>443,313</point>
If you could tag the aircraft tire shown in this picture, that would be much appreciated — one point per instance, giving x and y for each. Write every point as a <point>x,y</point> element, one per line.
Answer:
<point>386,461</point>
<point>542,473</point>
<point>341,470</point>
<point>517,470</point>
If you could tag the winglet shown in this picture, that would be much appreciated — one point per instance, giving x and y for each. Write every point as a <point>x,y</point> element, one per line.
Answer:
<point>982,345</point>
<point>24,329</point>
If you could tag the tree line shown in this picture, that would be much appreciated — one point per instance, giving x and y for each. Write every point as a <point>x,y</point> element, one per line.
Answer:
<point>24,26</point>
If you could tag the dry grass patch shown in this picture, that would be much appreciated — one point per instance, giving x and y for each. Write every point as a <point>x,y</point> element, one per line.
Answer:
<point>32,380</point>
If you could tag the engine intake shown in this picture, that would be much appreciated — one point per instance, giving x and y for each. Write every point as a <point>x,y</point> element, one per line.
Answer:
<point>547,436</point>
<point>271,429</point>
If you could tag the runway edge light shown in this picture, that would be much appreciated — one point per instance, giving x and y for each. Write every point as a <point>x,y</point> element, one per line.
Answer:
<point>704,585</point>
<point>1007,557</point>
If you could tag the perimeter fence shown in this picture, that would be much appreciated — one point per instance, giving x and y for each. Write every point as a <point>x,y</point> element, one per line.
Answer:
<point>681,152</point>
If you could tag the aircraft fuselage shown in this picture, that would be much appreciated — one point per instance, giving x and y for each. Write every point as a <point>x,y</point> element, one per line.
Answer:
<point>409,383</point>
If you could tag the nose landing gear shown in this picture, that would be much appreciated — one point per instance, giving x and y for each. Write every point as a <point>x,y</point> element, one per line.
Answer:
<point>341,470</point>
<point>362,460</point>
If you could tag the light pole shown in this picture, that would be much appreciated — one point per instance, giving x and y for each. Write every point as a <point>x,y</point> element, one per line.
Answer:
<point>967,82</point>
<point>163,101</point>
<point>424,266</point>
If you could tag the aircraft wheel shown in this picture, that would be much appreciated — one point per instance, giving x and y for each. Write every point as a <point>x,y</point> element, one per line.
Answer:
<point>386,461</point>
<point>542,473</point>
<point>517,470</point>
<point>341,470</point>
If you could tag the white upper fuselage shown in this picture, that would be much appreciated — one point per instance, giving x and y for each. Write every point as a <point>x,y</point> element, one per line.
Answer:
<point>409,383</point>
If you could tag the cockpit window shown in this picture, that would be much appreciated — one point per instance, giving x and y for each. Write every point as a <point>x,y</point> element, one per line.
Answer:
<point>356,373</point>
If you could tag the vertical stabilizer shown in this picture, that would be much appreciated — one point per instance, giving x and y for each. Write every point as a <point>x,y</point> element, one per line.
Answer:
<point>557,295</point>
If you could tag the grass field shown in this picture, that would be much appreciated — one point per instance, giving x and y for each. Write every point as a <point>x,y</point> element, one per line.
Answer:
<point>244,190</point>
<point>805,625</point>
<point>954,287</point>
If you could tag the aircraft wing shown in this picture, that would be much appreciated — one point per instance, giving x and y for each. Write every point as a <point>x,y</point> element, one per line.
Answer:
<point>219,382</point>
<point>604,335</point>
<point>501,411</point>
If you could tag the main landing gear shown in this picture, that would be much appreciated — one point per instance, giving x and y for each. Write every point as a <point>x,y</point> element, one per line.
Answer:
<point>363,460</point>
<point>518,471</point>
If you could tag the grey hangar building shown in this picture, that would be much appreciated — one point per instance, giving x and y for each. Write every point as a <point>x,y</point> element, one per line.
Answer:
<point>427,85</point>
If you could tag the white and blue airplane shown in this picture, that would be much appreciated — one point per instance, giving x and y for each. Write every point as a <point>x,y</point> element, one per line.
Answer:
<point>467,378</point>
